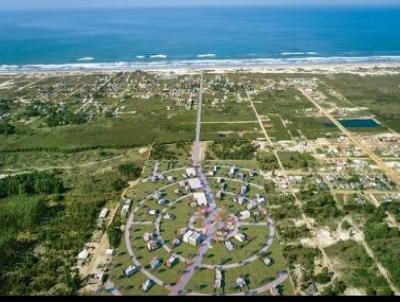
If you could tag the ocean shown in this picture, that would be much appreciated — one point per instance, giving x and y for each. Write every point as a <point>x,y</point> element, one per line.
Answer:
<point>190,37</point>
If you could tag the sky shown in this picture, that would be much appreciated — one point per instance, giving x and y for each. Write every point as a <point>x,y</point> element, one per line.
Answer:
<point>49,4</point>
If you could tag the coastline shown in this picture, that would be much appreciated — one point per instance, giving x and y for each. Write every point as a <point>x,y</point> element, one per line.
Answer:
<point>389,64</point>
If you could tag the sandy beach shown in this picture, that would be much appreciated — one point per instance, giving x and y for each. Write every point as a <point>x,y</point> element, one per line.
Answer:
<point>355,68</point>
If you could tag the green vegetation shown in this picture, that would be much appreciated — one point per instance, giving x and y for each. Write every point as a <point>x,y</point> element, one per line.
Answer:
<point>231,149</point>
<point>297,160</point>
<point>41,237</point>
<point>6,128</point>
<point>31,183</point>
<point>378,93</point>
<point>114,232</point>
<point>357,269</point>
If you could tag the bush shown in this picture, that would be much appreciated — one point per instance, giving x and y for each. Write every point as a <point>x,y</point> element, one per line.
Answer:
<point>130,170</point>
<point>324,276</point>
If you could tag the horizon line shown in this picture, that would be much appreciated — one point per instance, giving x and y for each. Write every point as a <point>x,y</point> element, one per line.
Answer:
<point>321,5</point>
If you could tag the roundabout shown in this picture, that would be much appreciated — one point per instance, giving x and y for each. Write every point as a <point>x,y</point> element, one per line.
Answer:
<point>228,243</point>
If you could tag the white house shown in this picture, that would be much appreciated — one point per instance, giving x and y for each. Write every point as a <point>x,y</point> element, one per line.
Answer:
<point>191,172</point>
<point>232,171</point>
<point>244,215</point>
<point>147,285</point>
<point>172,261</point>
<point>192,237</point>
<point>252,205</point>
<point>103,213</point>
<point>240,237</point>
<point>110,252</point>
<point>229,246</point>
<point>125,209</point>
<point>218,278</point>
<point>200,198</point>
<point>195,184</point>
<point>83,255</point>
<point>241,200</point>
<point>155,263</point>
<point>241,282</point>
<point>131,270</point>
<point>267,261</point>
<point>243,189</point>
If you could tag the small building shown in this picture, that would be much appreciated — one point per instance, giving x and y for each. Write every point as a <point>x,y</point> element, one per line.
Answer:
<point>240,200</point>
<point>219,194</point>
<point>241,237</point>
<point>110,252</point>
<point>162,201</point>
<point>176,242</point>
<point>241,282</point>
<point>153,212</point>
<point>125,209</point>
<point>192,237</point>
<point>267,261</point>
<point>219,180</point>
<point>252,205</point>
<point>218,278</point>
<point>172,261</point>
<point>244,189</point>
<point>103,213</point>
<point>158,195</point>
<point>260,199</point>
<point>244,215</point>
<point>191,172</point>
<point>147,285</point>
<point>232,171</point>
<point>152,245</point>
<point>171,178</point>
<point>155,263</point>
<point>195,184</point>
<point>169,216</point>
<point>83,255</point>
<point>200,199</point>
<point>229,245</point>
<point>131,270</point>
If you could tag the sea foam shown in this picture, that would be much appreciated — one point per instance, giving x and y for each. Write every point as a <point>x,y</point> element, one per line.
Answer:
<point>207,55</point>
<point>86,59</point>
<point>159,56</point>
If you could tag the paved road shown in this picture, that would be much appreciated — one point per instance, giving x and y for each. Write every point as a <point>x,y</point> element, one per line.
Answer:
<point>196,144</point>
<point>210,222</point>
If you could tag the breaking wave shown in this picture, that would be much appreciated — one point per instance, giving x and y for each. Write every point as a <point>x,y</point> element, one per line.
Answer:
<point>86,59</point>
<point>159,56</point>
<point>207,55</point>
